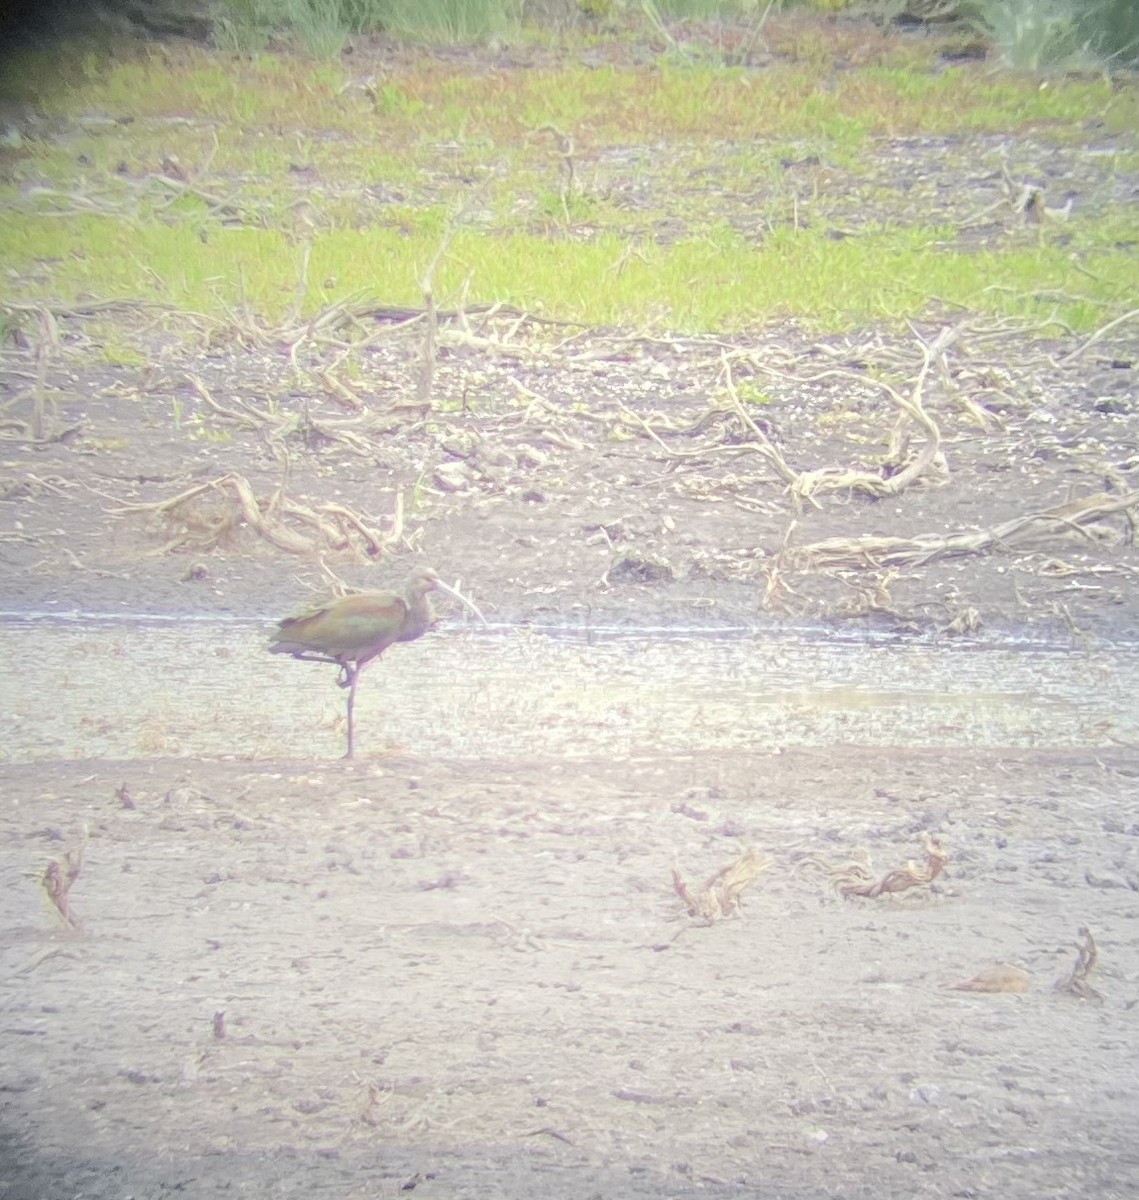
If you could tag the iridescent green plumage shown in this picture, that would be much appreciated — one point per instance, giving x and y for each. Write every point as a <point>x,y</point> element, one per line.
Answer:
<point>353,630</point>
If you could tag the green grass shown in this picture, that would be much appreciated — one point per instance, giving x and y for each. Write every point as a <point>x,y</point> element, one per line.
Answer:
<point>715,282</point>
<point>1038,35</point>
<point>663,155</point>
<point>433,99</point>
<point>448,20</point>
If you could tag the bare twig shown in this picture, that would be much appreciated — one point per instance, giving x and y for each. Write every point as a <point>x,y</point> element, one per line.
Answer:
<point>1098,336</point>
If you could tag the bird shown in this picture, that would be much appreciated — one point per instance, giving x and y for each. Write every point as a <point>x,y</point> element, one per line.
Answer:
<point>353,630</point>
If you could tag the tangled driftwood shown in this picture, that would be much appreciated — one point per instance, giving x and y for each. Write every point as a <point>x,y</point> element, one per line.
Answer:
<point>901,469</point>
<point>720,895</point>
<point>855,877</point>
<point>1082,518</point>
<point>729,429</point>
<point>207,514</point>
<point>358,434</point>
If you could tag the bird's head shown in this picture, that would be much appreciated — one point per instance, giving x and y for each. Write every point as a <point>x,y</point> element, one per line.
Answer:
<point>426,580</point>
<point>423,581</point>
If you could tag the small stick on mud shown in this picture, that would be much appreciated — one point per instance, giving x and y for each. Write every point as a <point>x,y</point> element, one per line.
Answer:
<point>1099,334</point>
<point>548,1131</point>
<point>57,880</point>
<point>1076,984</point>
<point>720,896</point>
<point>855,878</point>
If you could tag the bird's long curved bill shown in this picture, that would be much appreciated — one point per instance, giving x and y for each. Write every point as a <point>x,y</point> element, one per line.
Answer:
<point>443,587</point>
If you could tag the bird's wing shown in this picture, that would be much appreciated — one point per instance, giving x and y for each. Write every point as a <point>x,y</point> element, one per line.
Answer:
<point>349,627</point>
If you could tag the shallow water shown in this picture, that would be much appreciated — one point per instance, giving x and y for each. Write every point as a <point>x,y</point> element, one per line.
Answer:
<point>121,689</point>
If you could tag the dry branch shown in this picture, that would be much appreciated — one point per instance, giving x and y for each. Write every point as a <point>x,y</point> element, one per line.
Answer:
<point>1099,334</point>
<point>1080,517</point>
<point>721,895</point>
<point>855,877</point>
<point>1000,978</point>
<point>356,434</point>
<point>926,465</point>
<point>762,443</point>
<point>208,513</point>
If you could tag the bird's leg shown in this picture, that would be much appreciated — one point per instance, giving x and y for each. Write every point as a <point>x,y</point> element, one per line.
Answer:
<point>348,672</point>
<point>351,674</point>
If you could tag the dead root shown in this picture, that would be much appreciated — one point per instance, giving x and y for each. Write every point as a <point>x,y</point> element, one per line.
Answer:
<point>729,429</point>
<point>58,879</point>
<point>855,877</point>
<point>206,515</point>
<point>277,427</point>
<point>903,468</point>
<point>1082,518</point>
<point>870,597</point>
<point>778,594</point>
<point>721,895</point>
<point>1076,983</point>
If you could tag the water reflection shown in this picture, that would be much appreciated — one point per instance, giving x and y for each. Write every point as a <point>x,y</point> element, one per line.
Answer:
<point>123,690</point>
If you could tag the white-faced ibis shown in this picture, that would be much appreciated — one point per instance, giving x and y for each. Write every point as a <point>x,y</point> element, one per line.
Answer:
<point>353,630</point>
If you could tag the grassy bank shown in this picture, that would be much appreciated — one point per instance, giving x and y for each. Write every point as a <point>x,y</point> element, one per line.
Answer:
<point>692,196</point>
